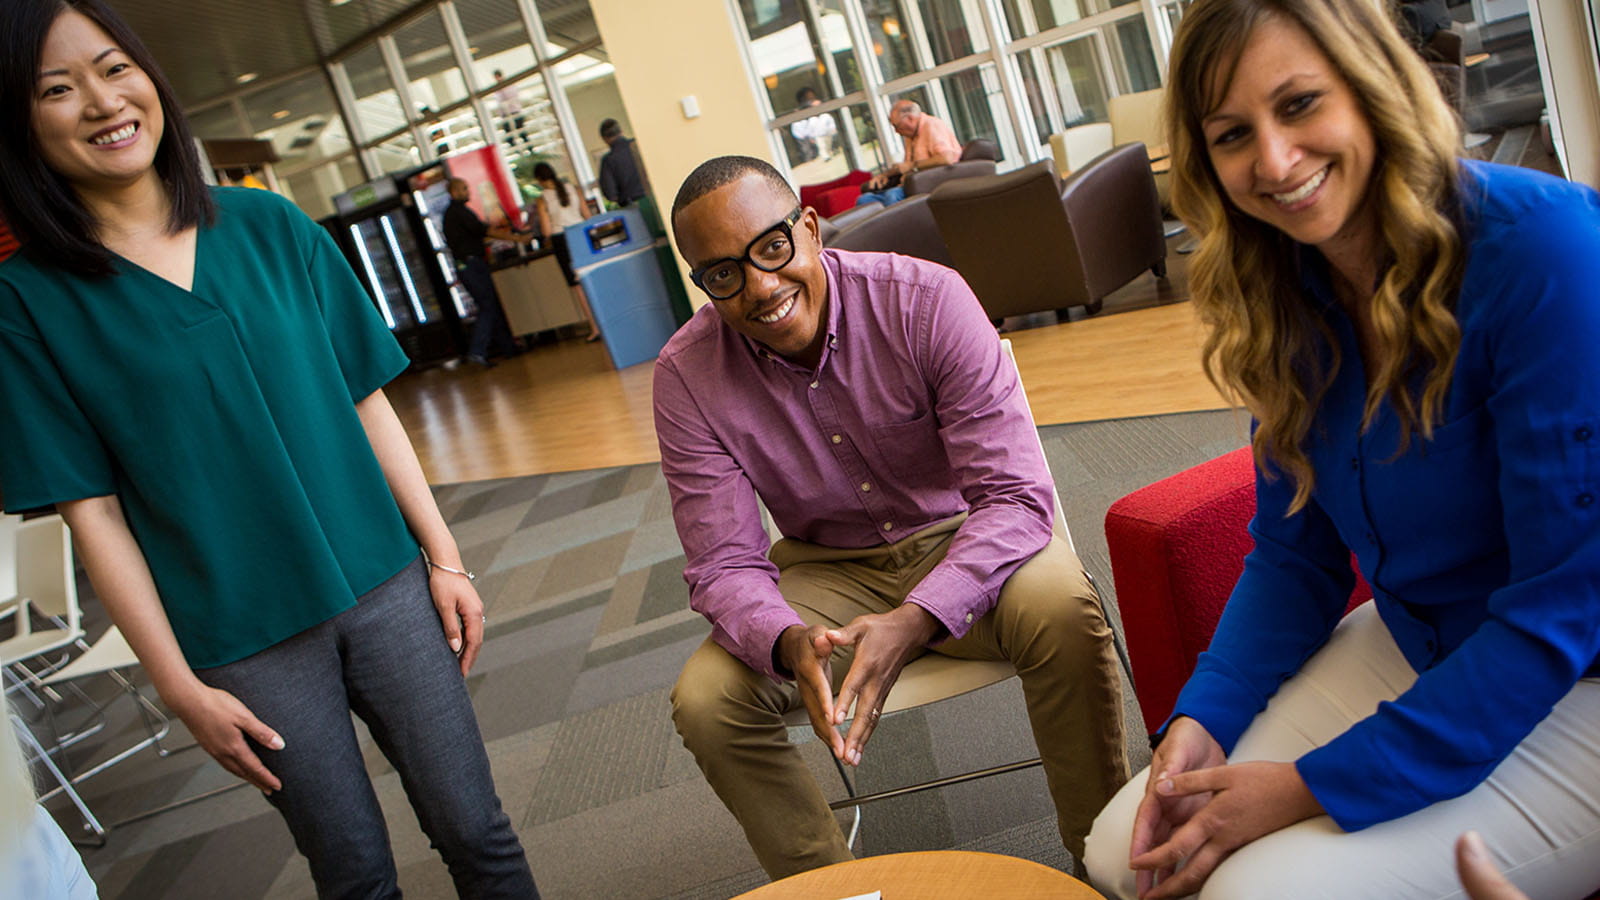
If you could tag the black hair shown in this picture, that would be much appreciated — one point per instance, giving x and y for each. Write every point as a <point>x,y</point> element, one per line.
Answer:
<point>800,95</point>
<point>609,129</point>
<point>725,170</point>
<point>546,172</point>
<point>40,205</point>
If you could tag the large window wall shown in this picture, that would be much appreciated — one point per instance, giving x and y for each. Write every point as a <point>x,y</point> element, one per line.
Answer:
<point>529,75</point>
<point>1012,71</point>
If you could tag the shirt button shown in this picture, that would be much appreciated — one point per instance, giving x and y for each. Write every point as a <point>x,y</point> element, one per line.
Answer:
<point>969,617</point>
<point>1371,538</point>
<point>866,486</point>
<point>813,384</point>
<point>1583,433</point>
<point>888,526</point>
<point>837,439</point>
<point>1355,464</point>
<point>1430,645</point>
<point>1585,498</point>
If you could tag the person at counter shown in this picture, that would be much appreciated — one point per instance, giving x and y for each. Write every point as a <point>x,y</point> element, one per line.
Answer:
<point>466,235</point>
<point>559,206</point>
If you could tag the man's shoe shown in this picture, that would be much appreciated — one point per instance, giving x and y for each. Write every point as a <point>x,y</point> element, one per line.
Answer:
<point>480,361</point>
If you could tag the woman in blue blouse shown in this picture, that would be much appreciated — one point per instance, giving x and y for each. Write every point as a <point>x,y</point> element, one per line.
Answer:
<point>194,378</point>
<point>1416,337</point>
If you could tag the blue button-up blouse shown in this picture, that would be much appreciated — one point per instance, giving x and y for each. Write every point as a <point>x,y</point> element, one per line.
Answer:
<point>1481,545</point>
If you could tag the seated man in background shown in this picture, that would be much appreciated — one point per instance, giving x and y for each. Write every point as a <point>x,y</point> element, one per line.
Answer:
<point>929,142</point>
<point>867,401</point>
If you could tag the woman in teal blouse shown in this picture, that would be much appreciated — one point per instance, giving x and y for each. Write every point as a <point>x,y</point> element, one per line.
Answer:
<point>1415,335</point>
<point>194,378</point>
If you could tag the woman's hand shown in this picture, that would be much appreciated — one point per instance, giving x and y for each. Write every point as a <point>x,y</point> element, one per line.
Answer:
<point>220,723</point>
<point>1186,748</point>
<point>460,612</point>
<point>1241,802</point>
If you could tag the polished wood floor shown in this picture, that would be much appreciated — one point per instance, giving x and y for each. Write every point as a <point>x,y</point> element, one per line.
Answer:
<point>562,407</point>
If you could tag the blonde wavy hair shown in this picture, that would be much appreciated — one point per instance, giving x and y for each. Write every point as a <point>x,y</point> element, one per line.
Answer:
<point>1266,346</point>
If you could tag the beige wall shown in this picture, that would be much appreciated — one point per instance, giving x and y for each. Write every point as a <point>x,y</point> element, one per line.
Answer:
<point>666,51</point>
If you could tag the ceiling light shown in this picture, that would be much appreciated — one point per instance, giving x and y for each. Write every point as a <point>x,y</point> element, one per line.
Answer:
<point>281,114</point>
<point>247,77</point>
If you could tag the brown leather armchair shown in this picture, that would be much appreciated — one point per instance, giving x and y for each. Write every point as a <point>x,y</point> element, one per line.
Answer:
<point>1026,242</point>
<point>977,158</point>
<point>906,228</point>
<point>831,227</point>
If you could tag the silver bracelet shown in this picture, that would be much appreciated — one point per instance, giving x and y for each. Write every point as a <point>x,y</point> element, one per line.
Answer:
<point>443,568</point>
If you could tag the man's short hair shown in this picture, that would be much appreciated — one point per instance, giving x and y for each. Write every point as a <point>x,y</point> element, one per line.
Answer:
<point>725,170</point>
<point>610,129</point>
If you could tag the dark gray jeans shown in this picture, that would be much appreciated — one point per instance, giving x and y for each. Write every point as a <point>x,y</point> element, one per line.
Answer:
<point>386,660</point>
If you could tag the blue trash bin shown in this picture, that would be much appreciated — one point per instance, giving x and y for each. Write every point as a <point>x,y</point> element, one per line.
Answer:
<point>617,261</point>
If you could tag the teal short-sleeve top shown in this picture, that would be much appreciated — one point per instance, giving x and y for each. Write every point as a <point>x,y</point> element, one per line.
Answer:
<point>222,416</point>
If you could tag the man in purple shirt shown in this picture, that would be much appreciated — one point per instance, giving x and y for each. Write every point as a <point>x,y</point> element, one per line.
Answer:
<point>866,400</point>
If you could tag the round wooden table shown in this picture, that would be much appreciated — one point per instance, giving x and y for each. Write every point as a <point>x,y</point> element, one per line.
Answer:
<point>934,875</point>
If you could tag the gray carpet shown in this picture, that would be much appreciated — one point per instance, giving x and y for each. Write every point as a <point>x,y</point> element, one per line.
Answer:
<point>589,624</point>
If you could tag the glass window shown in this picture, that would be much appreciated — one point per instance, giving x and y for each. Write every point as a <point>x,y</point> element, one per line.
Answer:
<point>1080,85</point>
<point>1038,106</point>
<point>975,103</point>
<point>497,39</point>
<point>1027,17</point>
<point>821,151</point>
<point>1138,60</point>
<point>793,54</point>
<point>1174,13</point>
<point>951,34</point>
<point>313,189</point>
<point>523,117</point>
<point>891,42</point>
<point>425,54</point>
<point>300,118</point>
<point>377,105</point>
<point>454,133</point>
<point>396,153</point>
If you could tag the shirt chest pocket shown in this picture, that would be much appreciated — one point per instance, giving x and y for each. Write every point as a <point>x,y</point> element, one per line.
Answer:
<point>913,451</point>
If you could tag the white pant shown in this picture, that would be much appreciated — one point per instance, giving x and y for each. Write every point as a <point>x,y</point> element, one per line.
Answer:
<point>1539,812</point>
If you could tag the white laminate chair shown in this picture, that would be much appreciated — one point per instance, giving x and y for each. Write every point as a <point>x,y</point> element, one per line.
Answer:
<point>44,576</point>
<point>1078,145</point>
<point>109,655</point>
<point>930,678</point>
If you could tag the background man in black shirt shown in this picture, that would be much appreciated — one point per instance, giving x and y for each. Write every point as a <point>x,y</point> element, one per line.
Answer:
<point>621,181</point>
<point>465,235</point>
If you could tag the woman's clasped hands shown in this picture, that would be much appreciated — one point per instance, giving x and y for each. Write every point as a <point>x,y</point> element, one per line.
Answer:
<point>1198,809</point>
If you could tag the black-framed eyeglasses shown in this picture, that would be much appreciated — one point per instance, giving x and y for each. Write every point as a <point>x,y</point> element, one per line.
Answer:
<point>770,251</point>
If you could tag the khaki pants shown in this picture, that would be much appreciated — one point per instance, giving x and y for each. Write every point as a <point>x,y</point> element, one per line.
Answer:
<point>1048,623</point>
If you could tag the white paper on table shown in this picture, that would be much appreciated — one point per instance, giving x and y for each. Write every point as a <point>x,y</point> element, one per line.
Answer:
<point>875,895</point>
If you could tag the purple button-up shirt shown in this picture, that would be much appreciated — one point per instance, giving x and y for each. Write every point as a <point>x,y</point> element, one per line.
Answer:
<point>913,415</point>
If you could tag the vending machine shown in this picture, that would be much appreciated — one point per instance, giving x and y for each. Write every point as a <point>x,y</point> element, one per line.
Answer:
<point>395,249</point>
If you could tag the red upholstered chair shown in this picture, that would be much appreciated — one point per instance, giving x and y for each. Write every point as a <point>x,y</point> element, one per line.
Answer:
<point>1177,547</point>
<point>833,197</point>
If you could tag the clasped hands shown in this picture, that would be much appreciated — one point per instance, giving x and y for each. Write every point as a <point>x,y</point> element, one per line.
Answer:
<point>883,643</point>
<point>1198,809</point>
<point>887,178</point>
